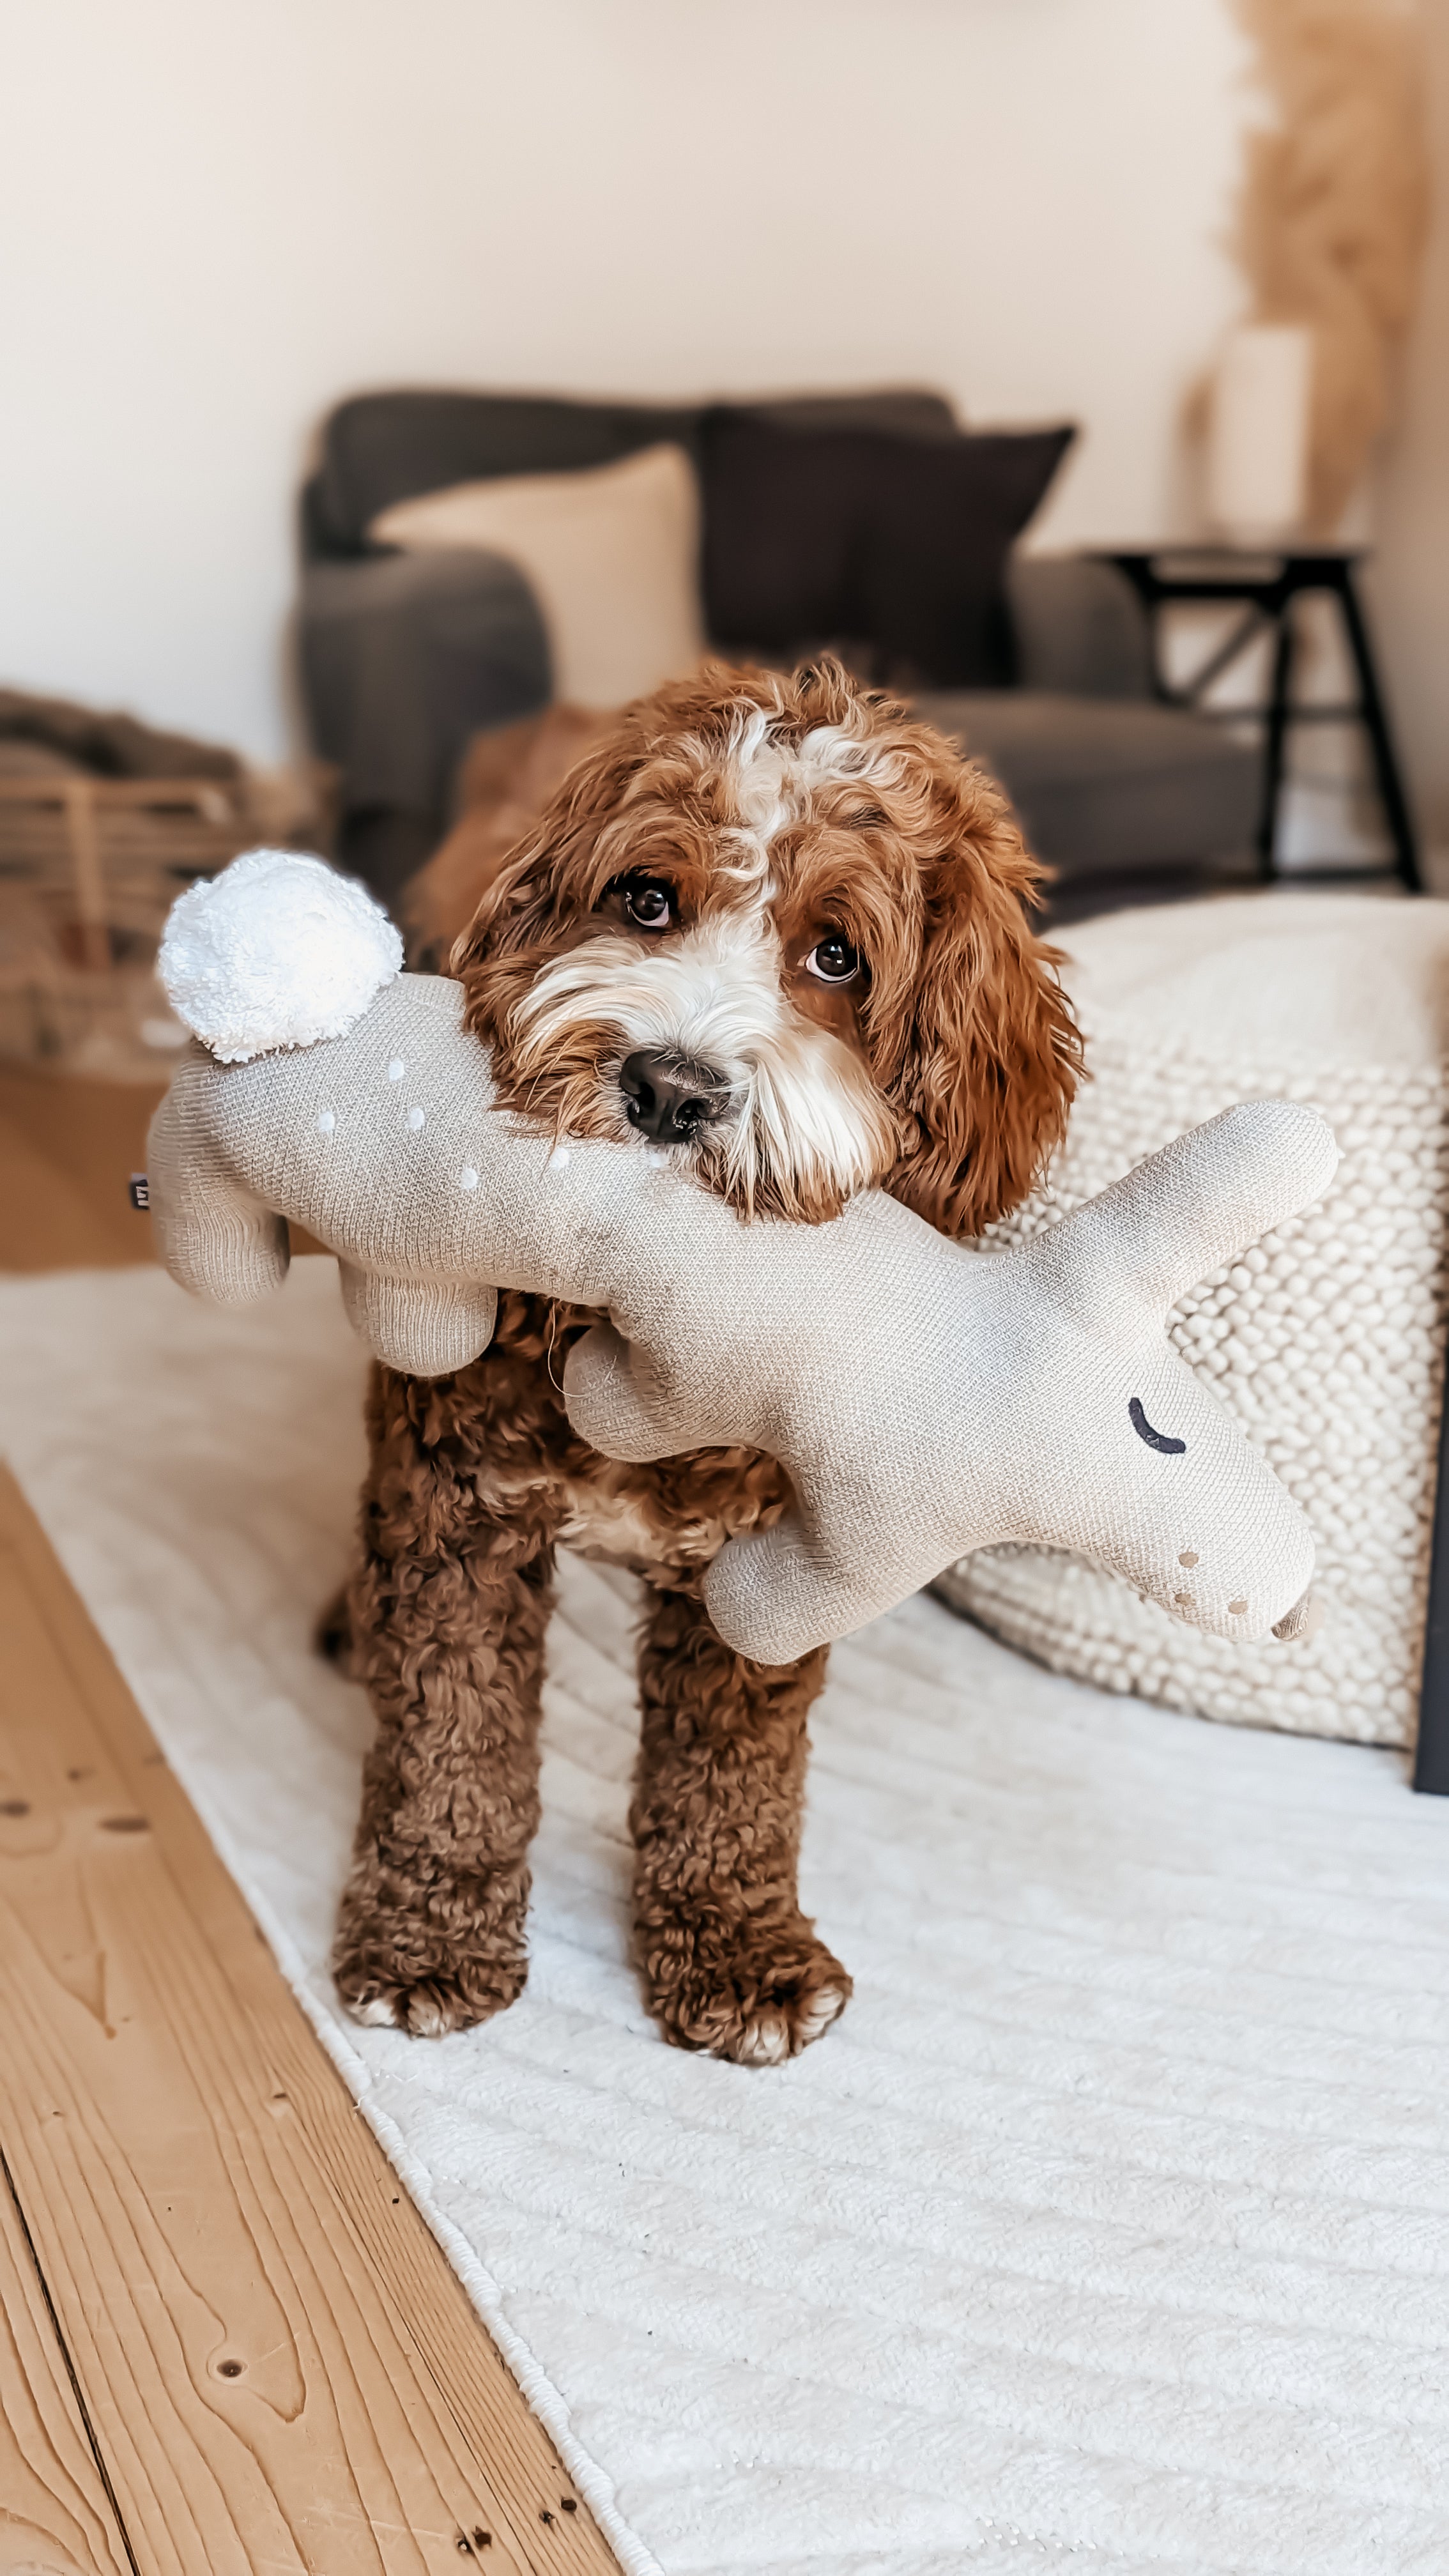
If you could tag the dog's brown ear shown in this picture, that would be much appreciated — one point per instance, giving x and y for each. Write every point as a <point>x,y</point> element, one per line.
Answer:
<point>511,898</point>
<point>990,1055</point>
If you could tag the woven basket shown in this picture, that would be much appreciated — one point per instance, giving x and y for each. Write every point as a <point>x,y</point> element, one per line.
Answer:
<point>1325,1339</point>
<point>89,869</point>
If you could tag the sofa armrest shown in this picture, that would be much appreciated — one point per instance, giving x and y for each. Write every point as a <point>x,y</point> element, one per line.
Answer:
<point>404,657</point>
<point>1079,628</point>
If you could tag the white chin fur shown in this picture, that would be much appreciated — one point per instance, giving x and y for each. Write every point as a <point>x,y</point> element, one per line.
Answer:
<point>804,1113</point>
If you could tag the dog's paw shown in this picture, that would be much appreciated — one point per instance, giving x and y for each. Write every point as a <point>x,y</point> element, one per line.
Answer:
<point>756,1991</point>
<point>400,1971</point>
<point>425,2007</point>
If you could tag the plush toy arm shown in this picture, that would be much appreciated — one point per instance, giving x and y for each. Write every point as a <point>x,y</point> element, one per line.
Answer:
<point>213,1236</point>
<point>612,1408</point>
<point>425,1327</point>
<point>774,1598</point>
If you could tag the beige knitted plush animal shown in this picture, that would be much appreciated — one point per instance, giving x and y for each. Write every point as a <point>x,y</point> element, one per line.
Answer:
<point>925,1397</point>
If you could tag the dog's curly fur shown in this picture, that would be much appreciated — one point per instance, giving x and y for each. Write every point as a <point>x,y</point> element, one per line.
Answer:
<point>775,814</point>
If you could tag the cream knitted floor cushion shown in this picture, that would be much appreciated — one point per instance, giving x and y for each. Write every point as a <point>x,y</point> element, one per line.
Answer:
<point>1327,1338</point>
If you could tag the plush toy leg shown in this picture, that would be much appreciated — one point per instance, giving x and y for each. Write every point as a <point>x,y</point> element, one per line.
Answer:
<point>771,1597</point>
<point>424,1327</point>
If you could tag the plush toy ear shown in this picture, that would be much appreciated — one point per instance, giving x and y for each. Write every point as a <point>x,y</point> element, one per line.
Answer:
<point>990,1054</point>
<point>1191,1207</point>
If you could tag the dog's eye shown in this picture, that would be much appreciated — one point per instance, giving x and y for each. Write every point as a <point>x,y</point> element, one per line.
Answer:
<point>648,904</point>
<point>833,960</point>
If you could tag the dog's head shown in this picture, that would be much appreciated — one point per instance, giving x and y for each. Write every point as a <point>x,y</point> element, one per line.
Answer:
<point>778,930</point>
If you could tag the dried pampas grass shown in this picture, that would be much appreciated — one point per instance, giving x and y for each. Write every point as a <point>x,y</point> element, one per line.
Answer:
<point>1333,211</point>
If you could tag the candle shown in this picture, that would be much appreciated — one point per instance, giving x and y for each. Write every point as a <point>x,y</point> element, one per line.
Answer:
<point>1257,447</point>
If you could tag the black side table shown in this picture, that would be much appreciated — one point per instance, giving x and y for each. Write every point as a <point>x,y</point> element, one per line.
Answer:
<point>1266,585</point>
<point>1431,1759</point>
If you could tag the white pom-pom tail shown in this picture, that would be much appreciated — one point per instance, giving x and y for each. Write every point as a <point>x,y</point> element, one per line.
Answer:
<point>277,951</point>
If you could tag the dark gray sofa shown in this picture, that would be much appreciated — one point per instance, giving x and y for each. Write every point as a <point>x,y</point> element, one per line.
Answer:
<point>404,658</point>
<point>1115,788</point>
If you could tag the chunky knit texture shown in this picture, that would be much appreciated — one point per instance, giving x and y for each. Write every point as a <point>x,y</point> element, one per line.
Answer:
<point>1326,1339</point>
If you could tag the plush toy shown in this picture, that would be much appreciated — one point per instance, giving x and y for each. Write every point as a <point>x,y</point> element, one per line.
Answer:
<point>927,1398</point>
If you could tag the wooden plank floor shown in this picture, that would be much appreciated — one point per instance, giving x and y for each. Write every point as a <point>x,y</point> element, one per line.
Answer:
<point>227,2340</point>
<point>67,1151</point>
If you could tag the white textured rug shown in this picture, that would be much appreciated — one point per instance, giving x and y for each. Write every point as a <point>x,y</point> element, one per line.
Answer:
<point>1110,2227</point>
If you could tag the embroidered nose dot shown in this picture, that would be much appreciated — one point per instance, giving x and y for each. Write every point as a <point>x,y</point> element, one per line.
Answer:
<point>326,1121</point>
<point>558,1160</point>
<point>415,1119</point>
<point>467,1178</point>
<point>1188,1556</point>
<point>1236,1609</point>
<point>396,1069</point>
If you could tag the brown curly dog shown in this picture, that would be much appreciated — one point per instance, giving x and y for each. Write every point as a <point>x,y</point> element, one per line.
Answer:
<point>776,930</point>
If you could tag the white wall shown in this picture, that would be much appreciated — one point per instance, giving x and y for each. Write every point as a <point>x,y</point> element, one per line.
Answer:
<point>219,215</point>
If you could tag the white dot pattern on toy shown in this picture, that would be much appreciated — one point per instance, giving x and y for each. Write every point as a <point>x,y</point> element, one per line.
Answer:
<point>326,1121</point>
<point>415,1120</point>
<point>396,1069</point>
<point>558,1160</point>
<point>1326,1342</point>
<point>467,1178</point>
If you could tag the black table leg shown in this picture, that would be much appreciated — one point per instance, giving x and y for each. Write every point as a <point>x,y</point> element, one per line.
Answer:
<point>1388,777</point>
<point>1275,742</point>
<point>1431,1762</point>
<point>1268,587</point>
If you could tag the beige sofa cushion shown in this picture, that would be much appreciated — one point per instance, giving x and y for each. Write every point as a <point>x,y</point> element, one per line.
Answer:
<point>611,554</point>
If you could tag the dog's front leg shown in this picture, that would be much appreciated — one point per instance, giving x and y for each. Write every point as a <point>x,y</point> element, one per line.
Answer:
<point>731,1965</point>
<point>447,1616</point>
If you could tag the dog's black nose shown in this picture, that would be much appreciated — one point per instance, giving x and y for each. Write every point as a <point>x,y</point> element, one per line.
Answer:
<point>668,1097</point>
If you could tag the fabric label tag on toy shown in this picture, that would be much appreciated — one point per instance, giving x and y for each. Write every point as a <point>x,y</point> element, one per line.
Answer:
<point>140,1192</point>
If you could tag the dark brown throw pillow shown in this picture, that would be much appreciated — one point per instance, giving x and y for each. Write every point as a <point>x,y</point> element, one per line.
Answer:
<point>852,536</point>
